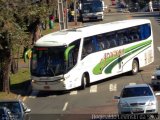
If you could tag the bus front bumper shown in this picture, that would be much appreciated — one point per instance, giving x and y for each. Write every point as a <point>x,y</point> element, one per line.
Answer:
<point>48,85</point>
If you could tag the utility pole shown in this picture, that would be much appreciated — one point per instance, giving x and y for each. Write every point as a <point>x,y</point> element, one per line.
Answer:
<point>61,14</point>
<point>75,12</point>
<point>66,14</point>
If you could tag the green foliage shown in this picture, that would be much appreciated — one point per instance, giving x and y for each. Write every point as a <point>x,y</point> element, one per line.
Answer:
<point>15,18</point>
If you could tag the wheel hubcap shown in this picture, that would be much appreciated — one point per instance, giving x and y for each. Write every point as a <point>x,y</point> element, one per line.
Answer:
<point>134,67</point>
<point>84,81</point>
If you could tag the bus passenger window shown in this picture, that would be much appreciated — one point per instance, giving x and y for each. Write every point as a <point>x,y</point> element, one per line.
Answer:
<point>113,42</point>
<point>136,37</point>
<point>145,31</point>
<point>87,47</point>
<point>107,44</point>
<point>121,39</point>
<point>101,42</point>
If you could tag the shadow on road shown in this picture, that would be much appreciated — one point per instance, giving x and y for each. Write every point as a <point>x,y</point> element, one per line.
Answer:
<point>21,88</point>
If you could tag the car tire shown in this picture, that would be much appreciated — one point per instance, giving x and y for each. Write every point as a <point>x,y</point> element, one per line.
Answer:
<point>135,67</point>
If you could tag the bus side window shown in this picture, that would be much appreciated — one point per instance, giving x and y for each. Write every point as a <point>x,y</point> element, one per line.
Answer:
<point>145,31</point>
<point>121,39</point>
<point>95,45</point>
<point>130,35</point>
<point>107,44</point>
<point>113,41</point>
<point>73,53</point>
<point>134,34</point>
<point>136,37</point>
<point>101,42</point>
<point>106,41</point>
<point>87,47</point>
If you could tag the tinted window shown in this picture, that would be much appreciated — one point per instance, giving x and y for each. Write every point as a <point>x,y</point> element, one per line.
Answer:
<point>115,38</point>
<point>90,45</point>
<point>136,91</point>
<point>133,34</point>
<point>47,61</point>
<point>1,111</point>
<point>14,107</point>
<point>92,6</point>
<point>72,53</point>
<point>145,31</point>
<point>101,42</point>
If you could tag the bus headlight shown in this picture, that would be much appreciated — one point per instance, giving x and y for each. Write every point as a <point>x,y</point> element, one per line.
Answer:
<point>62,80</point>
<point>33,81</point>
<point>66,77</point>
<point>153,77</point>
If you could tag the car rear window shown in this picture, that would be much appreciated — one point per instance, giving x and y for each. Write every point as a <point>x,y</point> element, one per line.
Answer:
<point>136,91</point>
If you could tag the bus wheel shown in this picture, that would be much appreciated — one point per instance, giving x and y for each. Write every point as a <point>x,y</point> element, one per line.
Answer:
<point>83,82</point>
<point>135,67</point>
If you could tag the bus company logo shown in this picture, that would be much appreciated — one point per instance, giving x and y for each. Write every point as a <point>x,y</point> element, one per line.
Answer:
<point>115,53</point>
<point>107,59</point>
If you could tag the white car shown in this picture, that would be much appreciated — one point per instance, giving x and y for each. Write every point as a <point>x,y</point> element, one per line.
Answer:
<point>155,79</point>
<point>137,99</point>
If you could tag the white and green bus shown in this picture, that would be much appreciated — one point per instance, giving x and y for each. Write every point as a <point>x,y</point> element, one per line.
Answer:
<point>75,58</point>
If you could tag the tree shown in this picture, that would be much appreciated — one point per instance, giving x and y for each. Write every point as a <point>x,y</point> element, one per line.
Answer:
<point>37,14</point>
<point>12,37</point>
<point>15,19</point>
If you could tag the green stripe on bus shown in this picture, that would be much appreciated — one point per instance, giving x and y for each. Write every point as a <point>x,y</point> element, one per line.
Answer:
<point>67,51</point>
<point>109,61</point>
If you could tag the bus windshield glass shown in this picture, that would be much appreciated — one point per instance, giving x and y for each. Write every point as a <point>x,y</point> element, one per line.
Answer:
<point>92,6</point>
<point>48,61</point>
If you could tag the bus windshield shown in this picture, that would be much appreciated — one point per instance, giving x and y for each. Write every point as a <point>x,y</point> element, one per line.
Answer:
<point>93,6</point>
<point>48,61</point>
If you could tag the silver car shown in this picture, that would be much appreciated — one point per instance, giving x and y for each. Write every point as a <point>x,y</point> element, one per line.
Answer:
<point>155,79</point>
<point>137,99</point>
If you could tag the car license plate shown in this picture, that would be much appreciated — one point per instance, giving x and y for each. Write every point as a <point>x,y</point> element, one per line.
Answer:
<point>137,109</point>
<point>46,87</point>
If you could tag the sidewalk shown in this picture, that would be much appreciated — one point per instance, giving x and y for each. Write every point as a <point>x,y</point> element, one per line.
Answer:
<point>70,25</point>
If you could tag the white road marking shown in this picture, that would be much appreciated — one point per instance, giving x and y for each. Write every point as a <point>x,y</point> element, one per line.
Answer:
<point>158,48</point>
<point>34,94</point>
<point>113,87</point>
<point>132,83</point>
<point>52,96</point>
<point>65,106</point>
<point>93,89</point>
<point>73,93</point>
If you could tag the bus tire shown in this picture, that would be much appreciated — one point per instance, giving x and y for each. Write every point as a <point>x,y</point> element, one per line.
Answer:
<point>84,81</point>
<point>135,67</point>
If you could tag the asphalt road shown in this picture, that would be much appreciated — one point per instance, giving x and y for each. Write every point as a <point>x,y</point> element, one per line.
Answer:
<point>98,98</point>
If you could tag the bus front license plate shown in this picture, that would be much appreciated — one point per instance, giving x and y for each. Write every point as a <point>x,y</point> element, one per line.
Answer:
<point>46,87</point>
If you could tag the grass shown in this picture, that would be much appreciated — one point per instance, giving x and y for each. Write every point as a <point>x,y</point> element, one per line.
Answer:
<point>20,81</point>
<point>23,75</point>
<point>4,95</point>
<point>55,28</point>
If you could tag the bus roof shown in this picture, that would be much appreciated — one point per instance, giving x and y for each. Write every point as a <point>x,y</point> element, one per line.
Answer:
<point>65,37</point>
